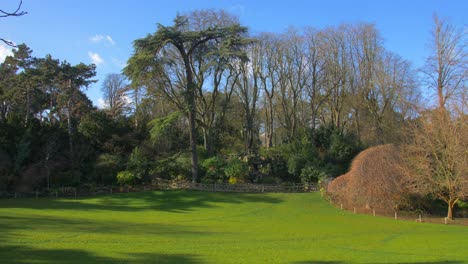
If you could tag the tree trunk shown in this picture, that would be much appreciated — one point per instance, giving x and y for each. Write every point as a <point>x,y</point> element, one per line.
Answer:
<point>70,130</point>
<point>451,204</point>
<point>190,98</point>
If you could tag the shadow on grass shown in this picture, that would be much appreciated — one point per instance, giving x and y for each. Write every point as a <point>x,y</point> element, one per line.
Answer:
<point>16,255</point>
<point>346,262</point>
<point>77,226</point>
<point>171,201</point>
<point>319,262</point>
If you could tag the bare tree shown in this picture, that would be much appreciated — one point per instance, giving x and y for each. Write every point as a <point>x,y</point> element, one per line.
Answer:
<point>267,72</point>
<point>437,157</point>
<point>113,89</point>
<point>17,12</point>
<point>445,70</point>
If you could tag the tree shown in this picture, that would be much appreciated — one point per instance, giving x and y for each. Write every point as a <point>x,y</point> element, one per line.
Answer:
<point>15,13</point>
<point>151,56</point>
<point>113,90</point>
<point>445,70</point>
<point>437,157</point>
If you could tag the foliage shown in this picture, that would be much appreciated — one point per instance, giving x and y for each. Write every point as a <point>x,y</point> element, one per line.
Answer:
<point>126,177</point>
<point>214,169</point>
<point>176,167</point>
<point>138,164</point>
<point>106,168</point>
<point>375,180</point>
<point>312,174</point>
<point>236,171</point>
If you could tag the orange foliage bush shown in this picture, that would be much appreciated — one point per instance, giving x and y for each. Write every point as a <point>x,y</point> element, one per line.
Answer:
<point>375,180</point>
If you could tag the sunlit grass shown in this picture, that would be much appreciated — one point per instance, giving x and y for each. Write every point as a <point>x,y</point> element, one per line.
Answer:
<point>202,227</point>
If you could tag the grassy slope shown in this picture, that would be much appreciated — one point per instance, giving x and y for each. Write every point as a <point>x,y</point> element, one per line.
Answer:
<point>197,227</point>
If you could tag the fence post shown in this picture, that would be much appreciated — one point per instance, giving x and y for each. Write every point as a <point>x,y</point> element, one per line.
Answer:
<point>36,195</point>
<point>420,220</point>
<point>56,194</point>
<point>75,194</point>
<point>111,189</point>
<point>341,206</point>
<point>354,209</point>
<point>396,215</point>
<point>373,211</point>
<point>445,220</point>
<point>15,195</point>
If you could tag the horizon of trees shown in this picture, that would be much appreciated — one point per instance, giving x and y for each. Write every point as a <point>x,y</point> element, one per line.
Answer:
<point>204,100</point>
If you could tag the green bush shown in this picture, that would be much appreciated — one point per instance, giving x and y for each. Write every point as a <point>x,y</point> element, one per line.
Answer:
<point>237,171</point>
<point>138,164</point>
<point>175,167</point>
<point>106,168</point>
<point>311,174</point>
<point>213,169</point>
<point>126,177</point>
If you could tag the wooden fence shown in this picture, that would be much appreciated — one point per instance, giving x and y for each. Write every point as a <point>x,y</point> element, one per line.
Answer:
<point>162,185</point>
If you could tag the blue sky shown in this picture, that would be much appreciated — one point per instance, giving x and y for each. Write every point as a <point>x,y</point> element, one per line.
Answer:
<point>102,31</point>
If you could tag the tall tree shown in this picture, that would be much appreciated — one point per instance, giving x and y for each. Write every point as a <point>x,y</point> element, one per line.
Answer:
<point>151,51</point>
<point>445,70</point>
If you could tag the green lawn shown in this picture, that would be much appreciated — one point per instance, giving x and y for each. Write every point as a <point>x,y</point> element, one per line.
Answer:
<point>201,227</point>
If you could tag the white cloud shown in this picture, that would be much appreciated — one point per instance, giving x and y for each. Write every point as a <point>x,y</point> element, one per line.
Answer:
<point>102,104</point>
<point>4,52</point>
<point>95,58</point>
<point>100,38</point>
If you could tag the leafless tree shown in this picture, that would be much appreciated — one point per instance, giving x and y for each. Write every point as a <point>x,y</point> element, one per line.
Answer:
<point>437,157</point>
<point>114,90</point>
<point>446,69</point>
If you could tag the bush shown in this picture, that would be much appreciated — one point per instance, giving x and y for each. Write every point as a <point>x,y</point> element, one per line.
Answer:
<point>177,166</point>
<point>138,164</point>
<point>106,168</point>
<point>311,174</point>
<point>213,170</point>
<point>126,177</point>
<point>237,171</point>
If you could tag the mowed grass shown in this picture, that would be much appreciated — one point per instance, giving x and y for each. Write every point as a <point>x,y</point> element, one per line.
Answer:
<point>202,227</point>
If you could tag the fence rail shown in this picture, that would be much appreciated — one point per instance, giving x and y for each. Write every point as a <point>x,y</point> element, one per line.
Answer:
<point>162,185</point>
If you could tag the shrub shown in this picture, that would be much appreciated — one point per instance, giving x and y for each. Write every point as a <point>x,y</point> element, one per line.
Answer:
<point>106,168</point>
<point>237,171</point>
<point>126,177</point>
<point>374,181</point>
<point>177,166</point>
<point>311,174</point>
<point>138,164</point>
<point>214,169</point>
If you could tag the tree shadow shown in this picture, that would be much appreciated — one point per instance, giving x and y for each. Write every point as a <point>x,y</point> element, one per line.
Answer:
<point>178,201</point>
<point>345,262</point>
<point>8,224</point>
<point>21,254</point>
<point>320,262</point>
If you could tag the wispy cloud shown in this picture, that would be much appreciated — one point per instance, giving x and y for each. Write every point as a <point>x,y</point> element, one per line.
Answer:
<point>102,104</point>
<point>4,52</point>
<point>95,58</point>
<point>101,38</point>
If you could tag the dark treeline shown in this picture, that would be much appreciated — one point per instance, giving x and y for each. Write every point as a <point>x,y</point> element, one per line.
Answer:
<point>295,106</point>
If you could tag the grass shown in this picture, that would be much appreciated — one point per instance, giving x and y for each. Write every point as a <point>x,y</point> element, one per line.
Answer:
<point>201,227</point>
